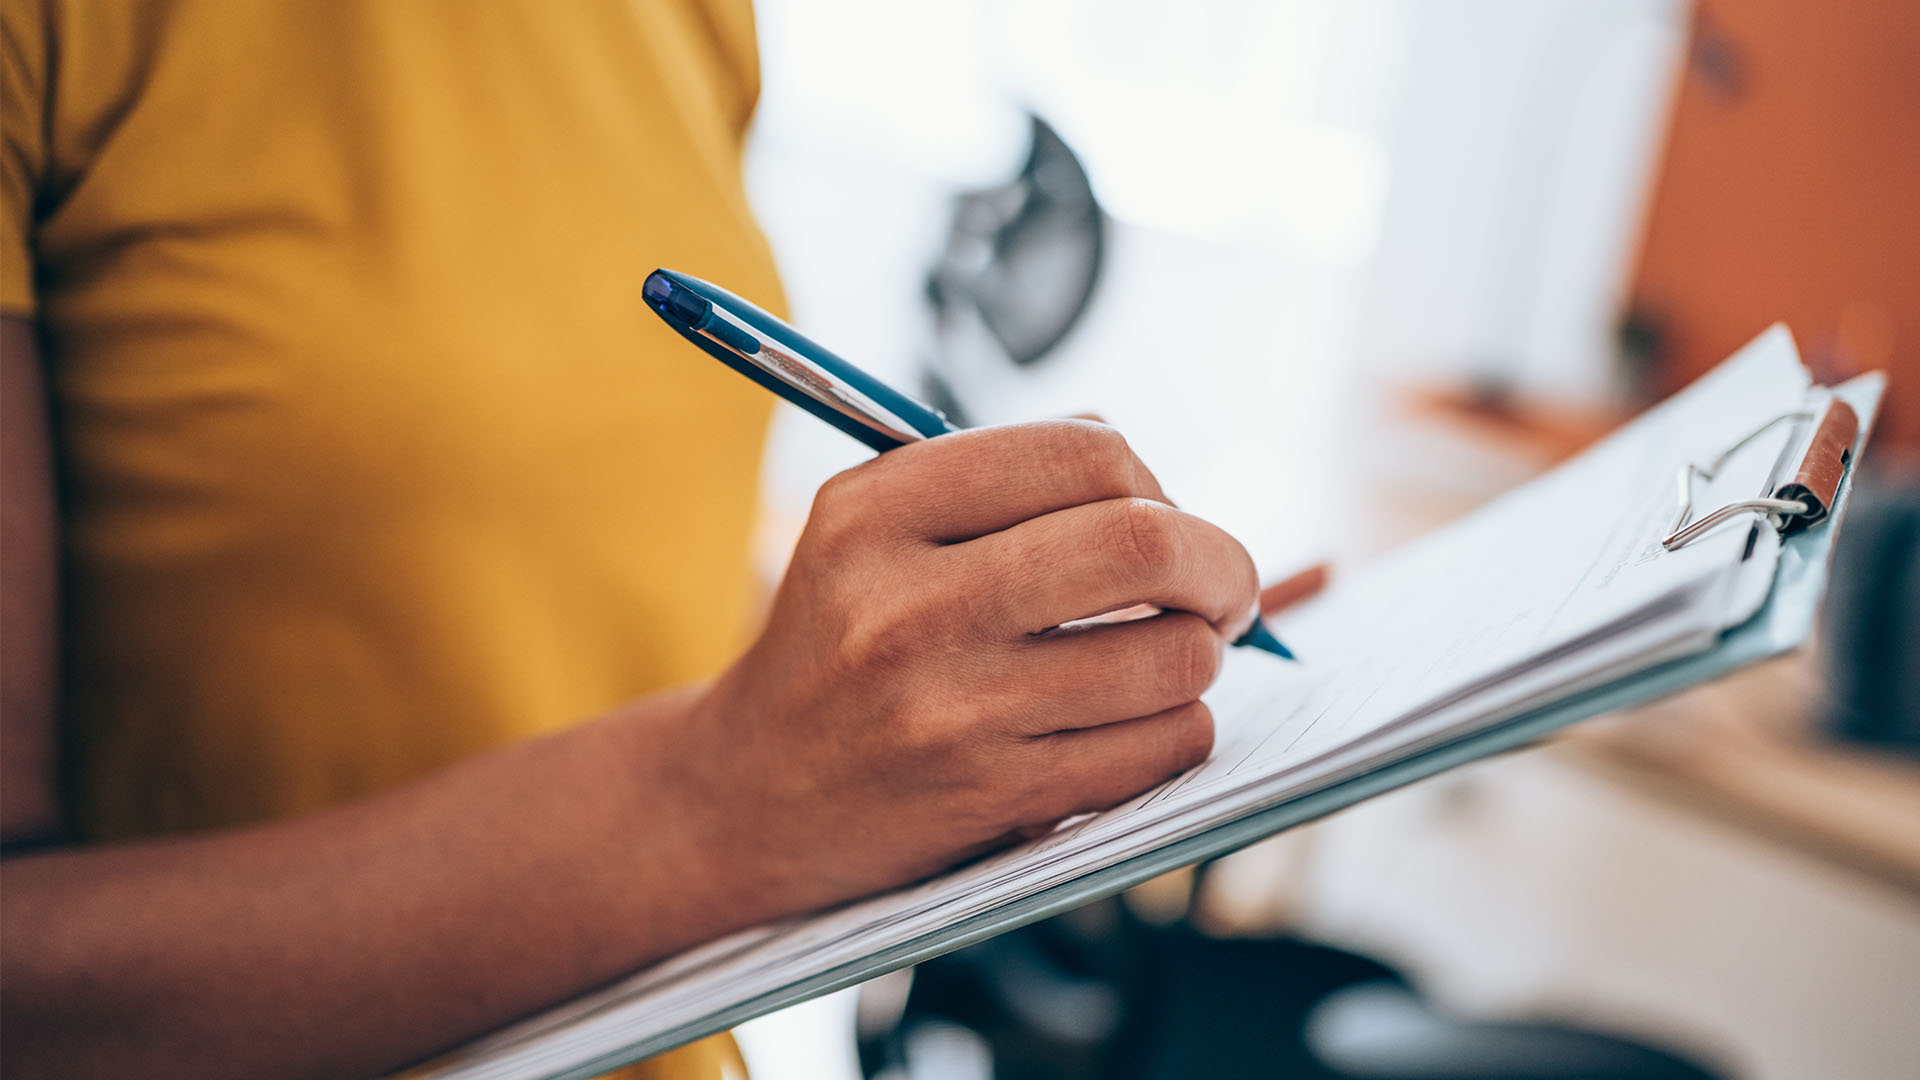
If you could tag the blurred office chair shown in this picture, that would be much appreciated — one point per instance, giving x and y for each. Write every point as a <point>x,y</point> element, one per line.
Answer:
<point>1101,995</point>
<point>1383,1031</point>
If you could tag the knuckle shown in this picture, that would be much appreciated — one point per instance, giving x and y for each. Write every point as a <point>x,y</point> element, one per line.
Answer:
<point>920,740</point>
<point>871,642</point>
<point>831,504</point>
<point>836,490</point>
<point>1189,658</point>
<point>1103,440</point>
<point>1103,452</point>
<point>1141,540</point>
<point>839,514</point>
<point>931,744</point>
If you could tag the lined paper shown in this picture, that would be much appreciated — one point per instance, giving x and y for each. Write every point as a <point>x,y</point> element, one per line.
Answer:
<point>1555,587</point>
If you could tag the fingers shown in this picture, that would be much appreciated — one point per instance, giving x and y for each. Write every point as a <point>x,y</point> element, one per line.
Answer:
<point>1285,594</point>
<point>1094,675</point>
<point>971,483</point>
<point>1098,767</point>
<point>1095,558</point>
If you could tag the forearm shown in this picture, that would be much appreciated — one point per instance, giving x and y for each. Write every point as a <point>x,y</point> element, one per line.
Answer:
<point>358,939</point>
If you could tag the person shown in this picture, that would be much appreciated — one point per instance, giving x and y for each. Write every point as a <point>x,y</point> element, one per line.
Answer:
<point>377,652</point>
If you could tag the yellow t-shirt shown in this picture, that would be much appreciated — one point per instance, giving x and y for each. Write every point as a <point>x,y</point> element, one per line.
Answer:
<point>372,456</point>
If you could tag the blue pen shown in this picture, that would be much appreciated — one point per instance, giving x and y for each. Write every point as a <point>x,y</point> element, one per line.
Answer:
<point>787,362</point>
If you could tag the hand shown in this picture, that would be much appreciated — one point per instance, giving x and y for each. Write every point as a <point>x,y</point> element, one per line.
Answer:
<point>913,701</point>
<point>1274,598</point>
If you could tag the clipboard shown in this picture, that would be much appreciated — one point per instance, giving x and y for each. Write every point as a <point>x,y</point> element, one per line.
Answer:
<point>1805,504</point>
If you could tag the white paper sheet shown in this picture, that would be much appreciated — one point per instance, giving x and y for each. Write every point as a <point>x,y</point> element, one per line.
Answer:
<point>1555,587</point>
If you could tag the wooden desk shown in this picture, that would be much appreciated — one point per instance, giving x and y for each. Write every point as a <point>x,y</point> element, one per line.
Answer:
<point>1745,751</point>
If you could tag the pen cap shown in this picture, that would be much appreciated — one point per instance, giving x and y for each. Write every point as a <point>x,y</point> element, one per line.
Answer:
<point>678,304</point>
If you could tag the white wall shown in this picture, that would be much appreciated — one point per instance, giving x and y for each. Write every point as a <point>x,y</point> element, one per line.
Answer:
<point>1378,188</point>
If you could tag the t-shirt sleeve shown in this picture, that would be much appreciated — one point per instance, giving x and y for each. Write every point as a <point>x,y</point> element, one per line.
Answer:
<point>23,53</point>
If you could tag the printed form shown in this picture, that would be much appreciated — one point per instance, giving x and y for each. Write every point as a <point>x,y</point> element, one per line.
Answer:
<point>1558,586</point>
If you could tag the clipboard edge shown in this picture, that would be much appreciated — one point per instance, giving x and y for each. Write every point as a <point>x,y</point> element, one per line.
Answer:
<point>1783,623</point>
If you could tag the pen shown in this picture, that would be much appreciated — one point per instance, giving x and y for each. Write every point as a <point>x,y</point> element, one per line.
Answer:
<point>806,373</point>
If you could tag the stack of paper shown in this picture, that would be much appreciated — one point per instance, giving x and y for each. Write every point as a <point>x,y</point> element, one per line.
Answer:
<point>1556,587</point>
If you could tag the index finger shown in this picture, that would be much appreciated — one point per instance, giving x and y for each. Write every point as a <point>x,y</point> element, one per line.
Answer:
<point>971,483</point>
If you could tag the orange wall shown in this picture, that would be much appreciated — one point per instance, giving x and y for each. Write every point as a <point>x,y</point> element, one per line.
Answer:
<point>1790,190</point>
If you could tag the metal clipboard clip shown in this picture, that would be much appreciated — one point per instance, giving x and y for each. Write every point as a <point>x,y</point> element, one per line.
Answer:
<point>1806,495</point>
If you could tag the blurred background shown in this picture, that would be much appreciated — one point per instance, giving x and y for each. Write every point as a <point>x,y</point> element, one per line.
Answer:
<point>1342,270</point>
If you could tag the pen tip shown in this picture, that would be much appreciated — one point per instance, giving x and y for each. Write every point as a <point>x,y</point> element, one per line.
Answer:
<point>1262,638</point>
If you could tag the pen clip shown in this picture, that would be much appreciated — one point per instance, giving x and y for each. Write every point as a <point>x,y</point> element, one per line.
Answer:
<point>810,379</point>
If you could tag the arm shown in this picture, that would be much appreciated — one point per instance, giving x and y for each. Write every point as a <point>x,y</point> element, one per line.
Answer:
<point>905,708</point>
<point>337,944</point>
<point>353,940</point>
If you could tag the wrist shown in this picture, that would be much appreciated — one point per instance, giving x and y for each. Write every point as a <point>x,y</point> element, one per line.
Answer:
<point>683,830</point>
